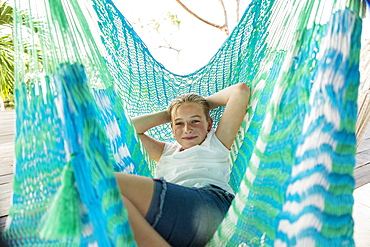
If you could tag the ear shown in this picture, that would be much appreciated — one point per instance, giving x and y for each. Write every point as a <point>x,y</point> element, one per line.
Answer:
<point>210,123</point>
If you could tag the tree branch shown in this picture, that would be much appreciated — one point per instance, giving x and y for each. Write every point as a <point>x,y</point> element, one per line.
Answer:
<point>169,47</point>
<point>226,25</point>
<point>222,28</point>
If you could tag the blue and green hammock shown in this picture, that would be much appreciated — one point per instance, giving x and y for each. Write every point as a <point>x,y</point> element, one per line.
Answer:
<point>84,72</point>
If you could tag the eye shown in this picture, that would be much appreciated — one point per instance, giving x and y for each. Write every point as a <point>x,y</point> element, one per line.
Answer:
<point>179,123</point>
<point>195,121</point>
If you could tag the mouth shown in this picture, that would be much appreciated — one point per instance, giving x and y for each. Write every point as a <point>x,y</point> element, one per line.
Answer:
<point>189,138</point>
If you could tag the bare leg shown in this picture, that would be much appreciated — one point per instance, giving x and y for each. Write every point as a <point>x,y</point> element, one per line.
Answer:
<point>137,189</point>
<point>137,194</point>
<point>144,234</point>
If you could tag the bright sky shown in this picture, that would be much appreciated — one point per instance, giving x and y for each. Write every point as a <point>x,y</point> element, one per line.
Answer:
<point>198,41</point>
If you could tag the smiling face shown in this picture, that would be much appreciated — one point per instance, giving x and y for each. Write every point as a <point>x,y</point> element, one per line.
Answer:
<point>189,124</point>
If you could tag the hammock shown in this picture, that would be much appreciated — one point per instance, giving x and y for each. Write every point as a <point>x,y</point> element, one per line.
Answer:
<point>293,158</point>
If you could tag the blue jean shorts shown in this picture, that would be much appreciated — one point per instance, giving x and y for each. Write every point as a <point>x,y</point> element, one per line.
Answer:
<point>186,216</point>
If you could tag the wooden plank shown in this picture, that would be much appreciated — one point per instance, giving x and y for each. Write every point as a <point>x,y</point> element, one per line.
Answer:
<point>8,119</point>
<point>4,170</point>
<point>365,142</point>
<point>7,157</point>
<point>7,187</point>
<point>6,190</point>
<point>7,150</point>
<point>7,160</point>
<point>4,206</point>
<point>364,145</point>
<point>4,179</point>
<point>7,140</point>
<point>7,128</point>
<point>6,196</point>
<point>2,223</point>
<point>362,175</point>
<point>362,168</point>
<point>363,158</point>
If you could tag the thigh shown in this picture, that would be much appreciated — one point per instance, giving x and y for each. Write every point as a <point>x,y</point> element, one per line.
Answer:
<point>190,216</point>
<point>137,189</point>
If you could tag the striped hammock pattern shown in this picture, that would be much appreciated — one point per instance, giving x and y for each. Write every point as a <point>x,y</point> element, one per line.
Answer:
<point>84,72</point>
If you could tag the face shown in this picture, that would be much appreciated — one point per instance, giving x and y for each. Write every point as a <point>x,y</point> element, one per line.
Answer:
<point>189,125</point>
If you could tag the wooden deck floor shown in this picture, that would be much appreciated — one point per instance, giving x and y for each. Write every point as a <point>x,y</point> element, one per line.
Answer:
<point>362,169</point>
<point>7,133</point>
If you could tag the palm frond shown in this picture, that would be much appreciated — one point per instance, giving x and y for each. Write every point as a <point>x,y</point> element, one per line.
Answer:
<point>6,14</point>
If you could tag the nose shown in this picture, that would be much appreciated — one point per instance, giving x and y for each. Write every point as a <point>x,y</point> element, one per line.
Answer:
<point>187,127</point>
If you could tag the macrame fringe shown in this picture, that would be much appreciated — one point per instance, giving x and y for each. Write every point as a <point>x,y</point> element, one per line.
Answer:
<point>63,218</point>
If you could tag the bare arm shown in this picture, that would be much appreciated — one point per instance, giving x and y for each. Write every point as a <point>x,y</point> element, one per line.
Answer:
<point>235,98</point>
<point>146,122</point>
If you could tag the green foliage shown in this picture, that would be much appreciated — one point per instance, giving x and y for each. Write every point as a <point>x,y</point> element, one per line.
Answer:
<point>167,18</point>
<point>6,51</point>
<point>6,14</point>
<point>174,19</point>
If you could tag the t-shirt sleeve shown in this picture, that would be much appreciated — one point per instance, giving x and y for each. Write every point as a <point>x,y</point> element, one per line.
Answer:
<point>168,147</point>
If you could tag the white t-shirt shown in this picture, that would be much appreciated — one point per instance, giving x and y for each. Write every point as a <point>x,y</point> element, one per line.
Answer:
<point>207,163</point>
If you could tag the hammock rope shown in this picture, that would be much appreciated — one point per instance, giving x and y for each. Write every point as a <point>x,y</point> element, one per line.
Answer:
<point>293,158</point>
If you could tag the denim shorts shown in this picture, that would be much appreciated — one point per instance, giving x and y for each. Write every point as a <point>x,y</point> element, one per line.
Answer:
<point>186,216</point>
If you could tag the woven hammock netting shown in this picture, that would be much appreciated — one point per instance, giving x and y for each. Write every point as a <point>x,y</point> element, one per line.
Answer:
<point>84,72</point>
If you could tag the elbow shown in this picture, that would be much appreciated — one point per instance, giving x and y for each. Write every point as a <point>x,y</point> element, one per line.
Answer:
<point>243,88</point>
<point>243,92</point>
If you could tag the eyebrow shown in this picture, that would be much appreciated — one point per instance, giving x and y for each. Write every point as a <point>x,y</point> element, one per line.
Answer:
<point>194,116</point>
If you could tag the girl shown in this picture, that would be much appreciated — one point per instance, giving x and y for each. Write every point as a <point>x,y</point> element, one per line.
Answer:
<point>191,197</point>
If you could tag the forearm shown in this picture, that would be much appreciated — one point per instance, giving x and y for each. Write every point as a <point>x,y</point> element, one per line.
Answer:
<point>235,98</point>
<point>222,97</point>
<point>146,122</point>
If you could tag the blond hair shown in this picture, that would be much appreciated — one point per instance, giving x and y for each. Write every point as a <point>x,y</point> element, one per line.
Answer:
<point>189,98</point>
